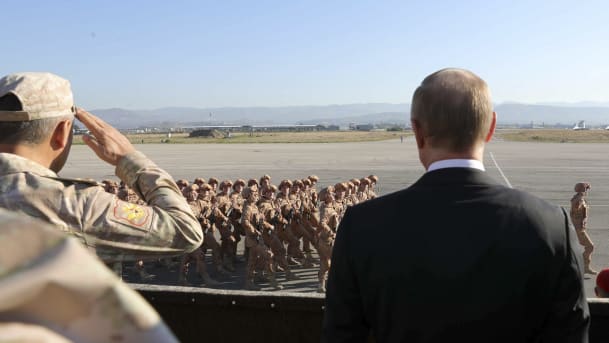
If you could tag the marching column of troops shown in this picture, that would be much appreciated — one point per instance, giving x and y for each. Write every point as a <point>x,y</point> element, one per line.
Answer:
<point>279,225</point>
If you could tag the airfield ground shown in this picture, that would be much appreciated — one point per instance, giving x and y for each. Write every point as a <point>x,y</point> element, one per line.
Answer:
<point>548,170</point>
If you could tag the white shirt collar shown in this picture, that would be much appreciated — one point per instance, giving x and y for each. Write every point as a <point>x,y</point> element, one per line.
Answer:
<point>456,163</point>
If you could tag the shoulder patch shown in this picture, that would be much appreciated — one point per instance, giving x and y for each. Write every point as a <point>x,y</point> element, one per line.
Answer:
<point>131,214</point>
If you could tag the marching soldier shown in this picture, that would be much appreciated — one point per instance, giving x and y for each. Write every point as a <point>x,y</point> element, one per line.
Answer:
<point>326,233</point>
<point>579,217</point>
<point>253,224</point>
<point>272,214</point>
<point>237,202</point>
<point>373,181</point>
<point>288,211</point>
<point>212,217</point>
<point>198,256</point>
<point>224,204</point>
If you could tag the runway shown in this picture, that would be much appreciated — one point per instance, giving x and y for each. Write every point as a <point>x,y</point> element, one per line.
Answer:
<point>548,170</point>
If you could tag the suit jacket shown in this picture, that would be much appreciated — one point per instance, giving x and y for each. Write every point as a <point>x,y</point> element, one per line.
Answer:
<point>456,257</point>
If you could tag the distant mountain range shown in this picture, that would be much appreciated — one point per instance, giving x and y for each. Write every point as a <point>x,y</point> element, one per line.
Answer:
<point>374,113</point>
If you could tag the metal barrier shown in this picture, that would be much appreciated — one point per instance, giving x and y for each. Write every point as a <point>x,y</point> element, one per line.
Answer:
<point>242,316</point>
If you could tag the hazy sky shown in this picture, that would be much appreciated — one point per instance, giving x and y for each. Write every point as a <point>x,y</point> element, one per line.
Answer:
<point>150,54</point>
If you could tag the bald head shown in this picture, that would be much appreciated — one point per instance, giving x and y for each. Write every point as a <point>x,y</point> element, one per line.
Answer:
<point>453,109</point>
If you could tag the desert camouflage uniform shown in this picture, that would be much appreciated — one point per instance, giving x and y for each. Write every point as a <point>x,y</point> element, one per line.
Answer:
<point>326,233</point>
<point>287,236</point>
<point>253,223</point>
<point>237,203</point>
<point>223,203</point>
<point>118,230</point>
<point>42,289</point>
<point>210,216</point>
<point>272,214</point>
<point>197,256</point>
<point>579,218</point>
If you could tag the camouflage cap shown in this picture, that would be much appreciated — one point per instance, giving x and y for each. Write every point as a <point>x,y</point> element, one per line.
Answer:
<point>251,182</point>
<point>226,183</point>
<point>373,178</point>
<point>205,187</point>
<point>213,180</point>
<point>313,178</point>
<point>42,95</point>
<point>581,187</point>
<point>355,182</point>
<point>297,183</point>
<point>239,182</point>
<point>285,183</point>
<point>306,182</point>
<point>341,186</point>
<point>199,181</point>
<point>273,188</point>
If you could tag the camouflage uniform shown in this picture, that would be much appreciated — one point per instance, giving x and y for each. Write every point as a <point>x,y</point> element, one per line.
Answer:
<point>117,229</point>
<point>579,217</point>
<point>41,286</point>
<point>223,202</point>
<point>197,256</point>
<point>326,233</point>
<point>237,202</point>
<point>272,214</point>
<point>209,218</point>
<point>253,223</point>
<point>288,212</point>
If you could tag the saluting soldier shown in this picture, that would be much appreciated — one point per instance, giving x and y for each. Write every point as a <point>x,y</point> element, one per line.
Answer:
<point>579,217</point>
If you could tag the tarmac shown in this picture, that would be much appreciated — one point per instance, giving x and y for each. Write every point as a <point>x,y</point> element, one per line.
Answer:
<point>548,170</point>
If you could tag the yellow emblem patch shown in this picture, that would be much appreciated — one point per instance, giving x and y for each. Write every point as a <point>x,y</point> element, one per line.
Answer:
<point>131,213</point>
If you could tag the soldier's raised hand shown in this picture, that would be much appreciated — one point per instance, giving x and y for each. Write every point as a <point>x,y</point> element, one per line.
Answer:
<point>107,143</point>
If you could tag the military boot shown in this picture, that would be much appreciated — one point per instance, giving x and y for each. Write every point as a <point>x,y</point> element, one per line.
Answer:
<point>308,262</point>
<point>228,264</point>
<point>208,280</point>
<point>144,275</point>
<point>220,269</point>
<point>322,287</point>
<point>289,275</point>
<point>183,280</point>
<point>292,261</point>
<point>274,284</point>
<point>250,286</point>
<point>590,271</point>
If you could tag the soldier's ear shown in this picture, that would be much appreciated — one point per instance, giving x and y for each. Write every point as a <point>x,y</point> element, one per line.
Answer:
<point>62,135</point>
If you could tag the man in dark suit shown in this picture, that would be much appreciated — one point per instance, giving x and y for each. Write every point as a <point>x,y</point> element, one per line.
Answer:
<point>456,257</point>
